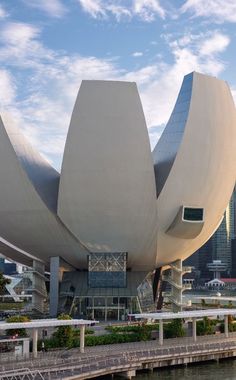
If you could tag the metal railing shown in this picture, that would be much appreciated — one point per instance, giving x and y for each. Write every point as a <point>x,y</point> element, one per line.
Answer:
<point>24,373</point>
<point>64,363</point>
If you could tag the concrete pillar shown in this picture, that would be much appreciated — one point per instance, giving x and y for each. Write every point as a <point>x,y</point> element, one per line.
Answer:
<point>118,305</point>
<point>194,329</point>
<point>82,334</point>
<point>128,374</point>
<point>26,348</point>
<point>105,309</point>
<point>57,267</point>
<point>54,285</point>
<point>80,301</point>
<point>161,332</point>
<point>35,342</point>
<point>226,326</point>
<point>93,307</point>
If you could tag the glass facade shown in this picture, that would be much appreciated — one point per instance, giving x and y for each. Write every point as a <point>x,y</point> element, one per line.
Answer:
<point>223,236</point>
<point>105,292</point>
<point>145,295</point>
<point>107,270</point>
<point>105,308</point>
<point>218,247</point>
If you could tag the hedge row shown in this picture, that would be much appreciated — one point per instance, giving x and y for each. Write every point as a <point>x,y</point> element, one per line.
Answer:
<point>93,340</point>
<point>232,327</point>
<point>133,328</point>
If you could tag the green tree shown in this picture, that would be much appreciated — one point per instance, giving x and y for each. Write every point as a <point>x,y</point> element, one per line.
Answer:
<point>3,282</point>
<point>205,327</point>
<point>203,302</point>
<point>64,334</point>
<point>174,329</point>
<point>17,319</point>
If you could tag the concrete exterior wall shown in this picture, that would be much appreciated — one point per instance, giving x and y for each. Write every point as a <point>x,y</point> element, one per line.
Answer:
<point>25,218</point>
<point>107,195</point>
<point>204,169</point>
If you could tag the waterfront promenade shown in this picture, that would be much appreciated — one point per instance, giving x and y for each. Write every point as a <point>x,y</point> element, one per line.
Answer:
<point>124,359</point>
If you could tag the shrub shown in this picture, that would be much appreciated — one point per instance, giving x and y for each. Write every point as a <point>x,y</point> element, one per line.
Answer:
<point>76,332</point>
<point>232,327</point>
<point>205,327</point>
<point>17,319</point>
<point>174,329</point>
<point>133,328</point>
<point>111,339</point>
<point>64,335</point>
<point>93,340</point>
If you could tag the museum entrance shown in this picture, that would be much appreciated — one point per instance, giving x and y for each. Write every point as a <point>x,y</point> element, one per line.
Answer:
<point>105,308</point>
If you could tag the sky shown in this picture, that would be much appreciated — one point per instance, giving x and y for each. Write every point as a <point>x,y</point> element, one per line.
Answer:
<point>48,46</point>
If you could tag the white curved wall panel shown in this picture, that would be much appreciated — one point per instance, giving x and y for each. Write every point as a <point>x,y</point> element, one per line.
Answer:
<point>204,168</point>
<point>25,219</point>
<point>107,195</point>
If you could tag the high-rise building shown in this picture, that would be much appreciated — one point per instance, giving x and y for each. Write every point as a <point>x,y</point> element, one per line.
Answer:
<point>219,246</point>
<point>2,261</point>
<point>221,240</point>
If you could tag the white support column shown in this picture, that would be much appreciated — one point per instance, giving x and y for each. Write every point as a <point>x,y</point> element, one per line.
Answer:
<point>105,309</point>
<point>194,329</point>
<point>82,333</point>
<point>226,326</point>
<point>93,307</point>
<point>26,348</point>
<point>118,305</point>
<point>57,267</point>
<point>54,285</point>
<point>35,342</point>
<point>161,332</point>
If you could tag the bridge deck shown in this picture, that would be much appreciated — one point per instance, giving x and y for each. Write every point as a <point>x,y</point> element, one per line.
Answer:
<point>101,360</point>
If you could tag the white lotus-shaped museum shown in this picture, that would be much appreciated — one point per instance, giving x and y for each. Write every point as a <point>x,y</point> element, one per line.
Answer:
<point>113,194</point>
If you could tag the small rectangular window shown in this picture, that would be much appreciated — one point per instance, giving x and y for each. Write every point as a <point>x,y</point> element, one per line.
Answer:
<point>193,214</point>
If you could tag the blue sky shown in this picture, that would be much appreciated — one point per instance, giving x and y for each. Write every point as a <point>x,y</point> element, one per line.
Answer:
<point>48,46</point>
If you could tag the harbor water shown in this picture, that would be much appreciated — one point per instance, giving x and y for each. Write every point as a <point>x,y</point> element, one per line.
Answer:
<point>223,370</point>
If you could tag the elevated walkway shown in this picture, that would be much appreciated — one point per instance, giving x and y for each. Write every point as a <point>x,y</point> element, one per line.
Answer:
<point>123,359</point>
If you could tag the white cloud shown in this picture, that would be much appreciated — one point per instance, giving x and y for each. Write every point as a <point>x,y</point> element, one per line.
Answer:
<point>94,7</point>
<point>160,93</point>
<point>218,10</point>
<point>8,89</point>
<point>18,33</point>
<point>216,44</point>
<point>50,81</point>
<point>143,76</point>
<point>119,11</point>
<point>147,10</point>
<point>43,112</point>
<point>54,8</point>
<point>137,54</point>
<point>3,13</point>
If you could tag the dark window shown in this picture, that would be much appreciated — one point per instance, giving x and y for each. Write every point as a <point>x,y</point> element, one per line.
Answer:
<point>193,214</point>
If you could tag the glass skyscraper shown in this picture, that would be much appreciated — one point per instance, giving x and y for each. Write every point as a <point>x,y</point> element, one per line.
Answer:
<point>219,246</point>
<point>222,239</point>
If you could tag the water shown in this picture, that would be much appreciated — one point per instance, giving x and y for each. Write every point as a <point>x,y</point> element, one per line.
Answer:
<point>224,370</point>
